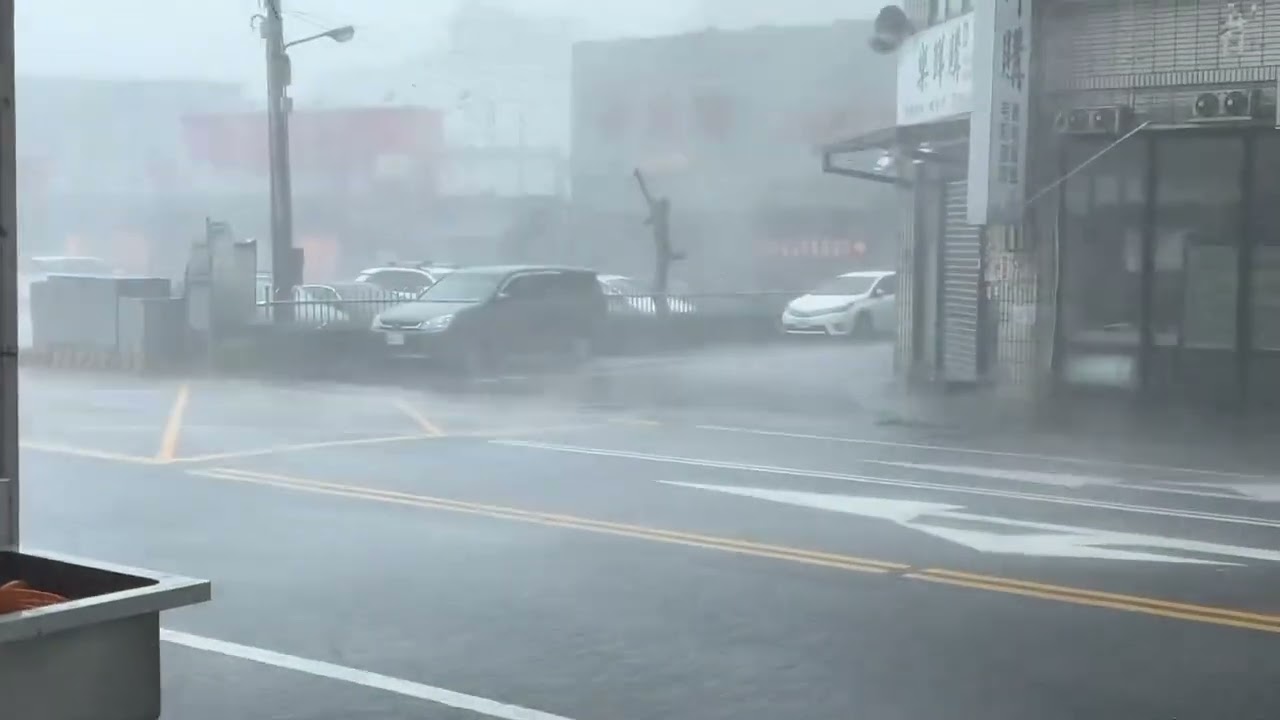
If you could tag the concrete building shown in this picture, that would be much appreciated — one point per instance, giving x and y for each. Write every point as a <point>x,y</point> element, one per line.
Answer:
<point>727,124</point>
<point>1143,262</point>
<point>104,170</point>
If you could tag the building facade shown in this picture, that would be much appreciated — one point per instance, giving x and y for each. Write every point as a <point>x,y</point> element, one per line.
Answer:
<point>733,148</point>
<point>103,170</point>
<point>1168,252</point>
<point>1144,263</point>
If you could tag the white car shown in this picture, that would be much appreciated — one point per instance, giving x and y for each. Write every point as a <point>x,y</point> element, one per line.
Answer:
<point>408,280</point>
<point>854,304</point>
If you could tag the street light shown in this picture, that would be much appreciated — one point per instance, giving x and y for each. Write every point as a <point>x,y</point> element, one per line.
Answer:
<point>286,261</point>
<point>338,34</point>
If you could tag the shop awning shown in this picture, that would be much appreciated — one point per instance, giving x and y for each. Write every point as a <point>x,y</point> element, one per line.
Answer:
<point>872,155</point>
<point>868,156</point>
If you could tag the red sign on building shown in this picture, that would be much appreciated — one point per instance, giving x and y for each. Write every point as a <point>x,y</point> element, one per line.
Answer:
<point>348,143</point>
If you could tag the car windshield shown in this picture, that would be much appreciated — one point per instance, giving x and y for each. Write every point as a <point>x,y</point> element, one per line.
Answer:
<point>845,285</point>
<point>462,287</point>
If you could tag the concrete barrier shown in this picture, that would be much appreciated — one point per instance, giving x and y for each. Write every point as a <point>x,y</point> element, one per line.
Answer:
<point>86,322</point>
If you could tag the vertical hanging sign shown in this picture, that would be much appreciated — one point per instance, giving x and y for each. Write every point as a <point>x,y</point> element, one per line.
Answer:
<point>998,124</point>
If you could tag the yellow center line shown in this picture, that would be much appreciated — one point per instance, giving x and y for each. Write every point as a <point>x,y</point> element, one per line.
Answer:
<point>543,518</point>
<point>173,426</point>
<point>88,453</point>
<point>428,428</point>
<point>298,447</point>
<point>1204,614</point>
<point>1099,595</point>
<point>1076,596</point>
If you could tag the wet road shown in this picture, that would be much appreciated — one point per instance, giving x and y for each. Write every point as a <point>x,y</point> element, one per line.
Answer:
<point>386,553</point>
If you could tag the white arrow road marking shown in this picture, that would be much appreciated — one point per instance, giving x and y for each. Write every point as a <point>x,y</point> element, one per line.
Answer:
<point>1262,492</point>
<point>1094,462</point>
<point>897,482</point>
<point>1068,480</point>
<point>1047,540</point>
<point>1266,492</point>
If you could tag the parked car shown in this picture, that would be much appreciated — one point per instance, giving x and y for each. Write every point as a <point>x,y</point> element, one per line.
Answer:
<point>855,304</point>
<point>628,297</point>
<point>406,279</point>
<point>477,317</point>
<point>355,303</point>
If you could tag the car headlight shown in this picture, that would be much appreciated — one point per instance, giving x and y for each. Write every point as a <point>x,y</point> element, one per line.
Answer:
<point>436,324</point>
<point>849,306</point>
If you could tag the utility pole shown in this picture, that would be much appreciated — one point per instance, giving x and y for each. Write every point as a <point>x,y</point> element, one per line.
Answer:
<point>286,262</point>
<point>660,220</point>
<point>8,288</point>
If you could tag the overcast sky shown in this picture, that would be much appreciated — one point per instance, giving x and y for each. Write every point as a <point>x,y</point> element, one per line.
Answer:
<point>212,39</point>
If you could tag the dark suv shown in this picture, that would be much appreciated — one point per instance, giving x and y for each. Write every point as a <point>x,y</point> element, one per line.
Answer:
<point>475,317</point>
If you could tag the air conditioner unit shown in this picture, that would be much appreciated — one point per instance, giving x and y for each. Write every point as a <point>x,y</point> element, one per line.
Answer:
<point>1227,106</point>
<point>1104,120</point>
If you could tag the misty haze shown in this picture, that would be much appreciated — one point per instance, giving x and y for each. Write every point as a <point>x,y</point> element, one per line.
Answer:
<point>569,360</point>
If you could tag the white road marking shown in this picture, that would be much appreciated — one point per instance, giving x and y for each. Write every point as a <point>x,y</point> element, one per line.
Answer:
<point>1042,540</point>
<point>989,453</point>
<point>1266,492</point>
<point>318,668</point>
<point>1067,480</point>
<point>915,484</point>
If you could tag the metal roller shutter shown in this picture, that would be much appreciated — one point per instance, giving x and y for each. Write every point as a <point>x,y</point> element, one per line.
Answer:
<point>961,277</point>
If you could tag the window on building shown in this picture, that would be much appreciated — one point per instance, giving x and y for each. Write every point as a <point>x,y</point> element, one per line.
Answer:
<point>1101,263</point>
<point>1103,245</point>
<point>1264,232</point>
<point>1197,229</point>
<point>1264,299</point>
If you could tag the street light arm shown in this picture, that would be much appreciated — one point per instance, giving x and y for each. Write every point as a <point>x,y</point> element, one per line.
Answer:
<point>338,34</point>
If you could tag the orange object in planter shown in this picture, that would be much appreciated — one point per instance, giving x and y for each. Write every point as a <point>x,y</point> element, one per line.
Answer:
<point>17,595</point>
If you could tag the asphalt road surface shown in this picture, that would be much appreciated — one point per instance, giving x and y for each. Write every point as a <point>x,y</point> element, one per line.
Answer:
<point>391,553</point>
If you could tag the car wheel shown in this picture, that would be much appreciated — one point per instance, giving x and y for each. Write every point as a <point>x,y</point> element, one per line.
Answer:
<point>863,327</point>
<point>468,363</point>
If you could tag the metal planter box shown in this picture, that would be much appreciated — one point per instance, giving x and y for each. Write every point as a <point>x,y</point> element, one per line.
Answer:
<point>95,657</point>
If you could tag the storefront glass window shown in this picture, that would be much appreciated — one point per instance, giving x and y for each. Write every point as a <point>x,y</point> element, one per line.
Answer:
<point>1101,288</point>
<point>1264,233</point>
<point>1104,208</point>
<point>1198,205</point>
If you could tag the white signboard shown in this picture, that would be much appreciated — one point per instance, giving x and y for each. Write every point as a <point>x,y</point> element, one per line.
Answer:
<point>935,73</point>
<point>998,124</point>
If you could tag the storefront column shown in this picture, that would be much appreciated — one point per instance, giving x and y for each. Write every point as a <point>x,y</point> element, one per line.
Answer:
<point>906,350</point>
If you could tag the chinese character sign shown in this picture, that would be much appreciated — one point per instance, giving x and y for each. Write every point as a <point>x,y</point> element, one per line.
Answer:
<point>998,125</point>
<point>935,73</point>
